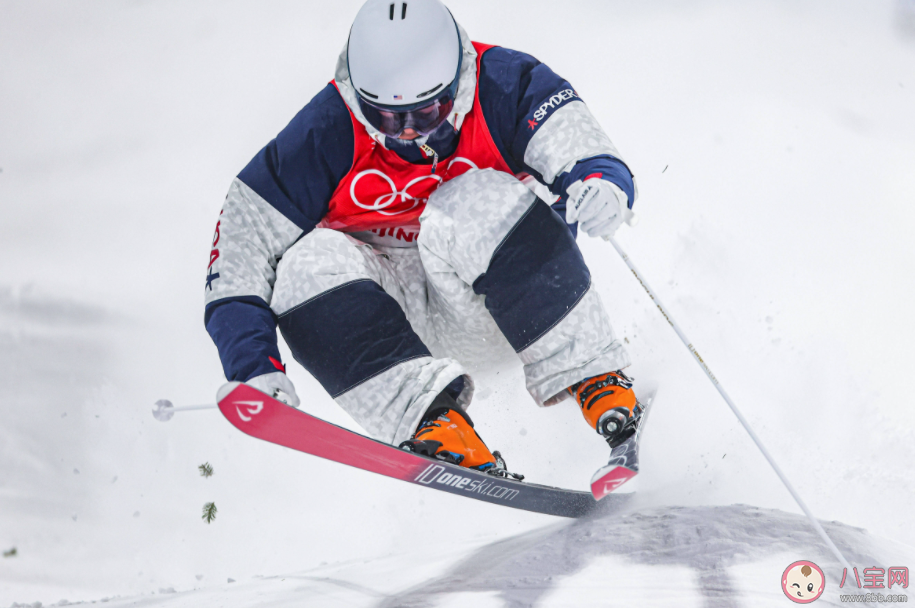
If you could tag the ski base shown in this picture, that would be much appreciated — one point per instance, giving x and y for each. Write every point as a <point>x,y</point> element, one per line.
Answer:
<point>263,417</point>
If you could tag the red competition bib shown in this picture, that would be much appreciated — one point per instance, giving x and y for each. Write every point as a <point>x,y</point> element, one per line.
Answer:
<point>386,194</point>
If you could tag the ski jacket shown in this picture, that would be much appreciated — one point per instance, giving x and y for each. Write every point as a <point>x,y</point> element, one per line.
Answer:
<point>330,168</point>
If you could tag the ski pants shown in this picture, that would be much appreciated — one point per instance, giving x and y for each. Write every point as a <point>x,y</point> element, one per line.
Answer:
<point>491,258</point>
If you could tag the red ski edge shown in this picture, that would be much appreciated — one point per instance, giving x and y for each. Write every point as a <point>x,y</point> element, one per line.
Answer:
<point>263,417</point>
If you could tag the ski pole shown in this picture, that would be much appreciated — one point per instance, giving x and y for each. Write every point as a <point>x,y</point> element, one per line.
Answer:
<point>164,409</point>
<point>743,421</point>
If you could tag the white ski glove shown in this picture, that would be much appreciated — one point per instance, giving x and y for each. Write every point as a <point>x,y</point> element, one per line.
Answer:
<point>277,385</point>
<point>598,206</point>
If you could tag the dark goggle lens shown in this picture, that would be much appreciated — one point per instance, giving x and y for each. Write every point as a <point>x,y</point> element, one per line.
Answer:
<point>423,120</point>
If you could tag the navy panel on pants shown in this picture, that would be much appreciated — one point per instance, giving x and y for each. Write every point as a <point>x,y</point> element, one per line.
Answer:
<point>535,277</point>
<point>349,334</point>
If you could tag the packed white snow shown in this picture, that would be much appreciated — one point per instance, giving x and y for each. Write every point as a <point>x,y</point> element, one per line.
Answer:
<point>774,146</point>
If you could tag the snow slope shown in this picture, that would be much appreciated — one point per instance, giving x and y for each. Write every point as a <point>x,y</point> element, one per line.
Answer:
<point>773,144</point>
<point>677,556</point>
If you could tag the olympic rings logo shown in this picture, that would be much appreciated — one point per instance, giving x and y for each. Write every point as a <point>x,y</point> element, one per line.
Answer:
<point>386,200</point>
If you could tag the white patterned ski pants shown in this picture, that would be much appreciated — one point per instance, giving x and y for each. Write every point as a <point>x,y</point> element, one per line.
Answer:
<point>491,258</point>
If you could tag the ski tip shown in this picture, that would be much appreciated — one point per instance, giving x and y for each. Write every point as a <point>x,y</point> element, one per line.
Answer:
<point>609,479</point>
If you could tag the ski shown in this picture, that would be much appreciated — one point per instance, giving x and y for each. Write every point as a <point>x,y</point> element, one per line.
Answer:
<point>258,415</point>
<point>624,459</point>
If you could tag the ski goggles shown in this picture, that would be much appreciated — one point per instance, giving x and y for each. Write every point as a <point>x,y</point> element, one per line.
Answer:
<point>424,118</point>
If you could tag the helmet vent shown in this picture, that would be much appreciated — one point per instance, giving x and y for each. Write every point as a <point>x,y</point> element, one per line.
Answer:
<point>430,91</point>
<point>367,94</point>
<point>403,11</point>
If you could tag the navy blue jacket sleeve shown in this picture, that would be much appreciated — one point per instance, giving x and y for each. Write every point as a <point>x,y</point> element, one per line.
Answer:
<point>297,172</point>
<point>281,195</point>
<point>518,94</point>
<point>244,331</point>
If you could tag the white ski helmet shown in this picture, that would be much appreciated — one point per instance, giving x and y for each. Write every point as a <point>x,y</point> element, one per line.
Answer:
<point>403,53</point>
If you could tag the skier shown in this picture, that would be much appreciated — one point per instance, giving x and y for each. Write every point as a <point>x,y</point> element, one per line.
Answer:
<point>389,219</point>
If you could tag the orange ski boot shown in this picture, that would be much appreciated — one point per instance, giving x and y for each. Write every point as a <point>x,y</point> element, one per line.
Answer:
<point>446,433</point>
<point>609,405</point>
